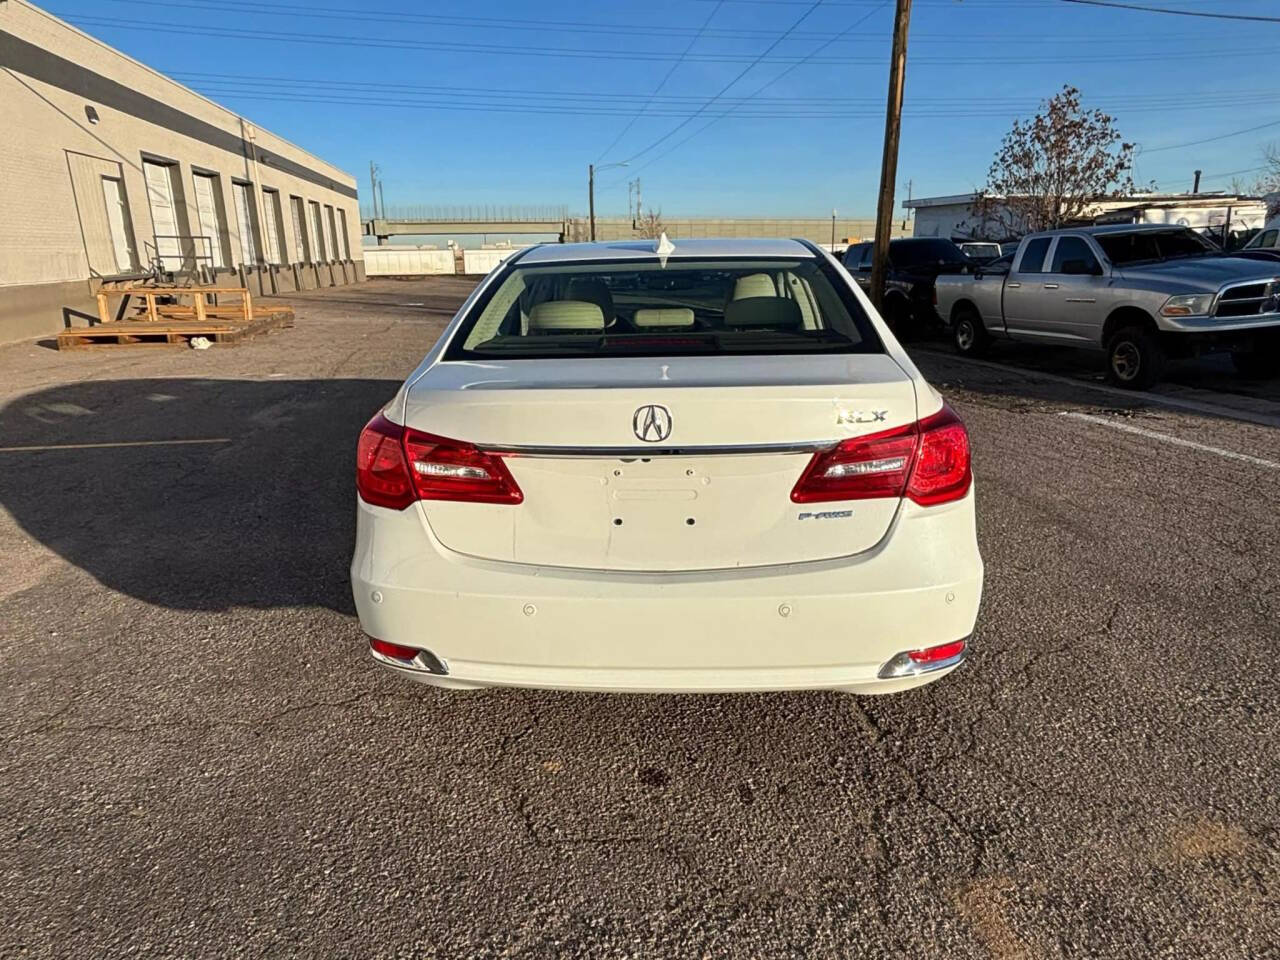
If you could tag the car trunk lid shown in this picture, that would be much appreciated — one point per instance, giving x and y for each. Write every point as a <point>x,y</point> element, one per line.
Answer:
<point>726,439</point>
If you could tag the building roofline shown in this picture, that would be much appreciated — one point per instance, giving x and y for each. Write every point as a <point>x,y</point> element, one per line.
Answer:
<point>26,4</point>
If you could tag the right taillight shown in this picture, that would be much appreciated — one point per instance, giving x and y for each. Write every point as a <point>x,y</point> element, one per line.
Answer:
<point>382,475</point>
<point>927,461</point>
<point>396,465</point>
<point>943,471</point>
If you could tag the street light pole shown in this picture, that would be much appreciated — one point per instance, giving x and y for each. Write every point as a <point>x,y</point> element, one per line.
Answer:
<point>889,162</point>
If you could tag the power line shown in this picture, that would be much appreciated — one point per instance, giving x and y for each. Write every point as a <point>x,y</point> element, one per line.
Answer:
<point>1223,136</point>
<point>378,43</point>
<point>661,83</point>
<point>617,29</point>
<point>449,104</point>
<point>725,89</point>
<point>765,86</point>
<point>1142,8</point>
<point>1125,102</point>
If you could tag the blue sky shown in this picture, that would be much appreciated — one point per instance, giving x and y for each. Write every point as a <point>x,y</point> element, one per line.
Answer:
<point>507,102</point>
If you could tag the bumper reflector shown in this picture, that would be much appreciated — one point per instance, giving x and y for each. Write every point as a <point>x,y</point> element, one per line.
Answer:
<point>407,658</point>
<point>909,663</point>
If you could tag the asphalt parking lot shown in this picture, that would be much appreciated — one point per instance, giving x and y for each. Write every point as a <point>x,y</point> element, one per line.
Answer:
<point>200,760</point>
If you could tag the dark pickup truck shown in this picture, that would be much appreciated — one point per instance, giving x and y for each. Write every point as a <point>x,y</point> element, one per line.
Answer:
<point>914,265</point>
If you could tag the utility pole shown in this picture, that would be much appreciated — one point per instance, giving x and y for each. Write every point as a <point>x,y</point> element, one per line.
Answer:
<point>889,163</point>
<point>1196,187</point>
<point>591,192</point>
<point>382,200</point>
<point>591,198</point>
<point>373,187</point>
<point>639,212</point>
<point>833,229</point>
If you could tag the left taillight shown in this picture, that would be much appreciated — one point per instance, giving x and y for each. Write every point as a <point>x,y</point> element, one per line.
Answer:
<point>927,461</point>
<point>396,465</point>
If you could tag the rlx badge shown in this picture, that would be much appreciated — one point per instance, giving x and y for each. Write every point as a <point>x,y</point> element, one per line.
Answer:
<point>861,416</point>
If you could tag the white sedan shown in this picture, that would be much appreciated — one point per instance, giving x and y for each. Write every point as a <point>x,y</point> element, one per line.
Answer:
<point>709,468</point>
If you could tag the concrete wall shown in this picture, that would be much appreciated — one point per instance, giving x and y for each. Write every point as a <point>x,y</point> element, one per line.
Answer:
<point>815,229</point>
<point>55,227</point>
<point>407,262</point>
<point>480,262</point>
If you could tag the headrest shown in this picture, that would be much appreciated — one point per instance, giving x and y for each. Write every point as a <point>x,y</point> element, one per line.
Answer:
<point>778,313</point>
<point>554,316</point>
<point>754,285</point>
<point>592,291</point>
<point>664,317</point>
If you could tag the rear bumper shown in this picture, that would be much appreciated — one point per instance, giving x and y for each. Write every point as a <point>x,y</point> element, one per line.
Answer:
<point>822,625</point>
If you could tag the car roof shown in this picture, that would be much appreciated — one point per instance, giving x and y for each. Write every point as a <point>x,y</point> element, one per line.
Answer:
<point>703,248</point>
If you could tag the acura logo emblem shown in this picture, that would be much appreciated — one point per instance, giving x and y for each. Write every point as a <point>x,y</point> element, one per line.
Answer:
<point>652,424</point>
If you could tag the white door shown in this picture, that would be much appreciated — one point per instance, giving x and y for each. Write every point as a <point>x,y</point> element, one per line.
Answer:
<point>164,213</point>
<point>317,238</point>
<point>270,211</point>
<point>210,223</point>
<point>332,226</point>
<point>117,219</point>
<point>244,214</point>
<point>299,233</point>
<point>346,238</point>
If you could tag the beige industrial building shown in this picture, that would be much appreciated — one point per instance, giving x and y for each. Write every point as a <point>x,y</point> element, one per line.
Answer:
<point>112,170</point>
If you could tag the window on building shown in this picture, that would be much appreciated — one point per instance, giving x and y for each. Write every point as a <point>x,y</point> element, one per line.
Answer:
<point>346,237</point>
<point>300,241</point>
<point>212,249</point>
<point>271,214</point>
<point>316,231</point>
<point>246,222</point>
<point>126,255</point>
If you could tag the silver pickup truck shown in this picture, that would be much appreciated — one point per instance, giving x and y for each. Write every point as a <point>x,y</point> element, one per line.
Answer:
<point>1142,294</point>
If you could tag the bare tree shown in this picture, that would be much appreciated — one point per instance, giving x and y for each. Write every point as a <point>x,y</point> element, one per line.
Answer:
<point>1269,180</point>
<point>1050,169</point>
<point>650,225</point>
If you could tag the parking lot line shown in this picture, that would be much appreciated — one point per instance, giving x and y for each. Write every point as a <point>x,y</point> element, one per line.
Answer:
<point>104,446</point>
<point>1177,403</point>
<point>1176,441</point>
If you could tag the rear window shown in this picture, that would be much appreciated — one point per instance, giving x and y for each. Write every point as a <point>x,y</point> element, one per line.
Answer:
<point>627,309</point>
<point>917,253</point>
<point>1125,248</point>
<point>1265,239</point>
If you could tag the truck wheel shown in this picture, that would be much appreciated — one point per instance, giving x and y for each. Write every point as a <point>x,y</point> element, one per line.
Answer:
<point>968,333</point>
<point>897,314</point>
<point>1135,359</point>
<point>1259,361</point>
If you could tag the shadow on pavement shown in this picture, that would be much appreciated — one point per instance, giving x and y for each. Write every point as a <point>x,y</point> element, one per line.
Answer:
<point>262,516</point>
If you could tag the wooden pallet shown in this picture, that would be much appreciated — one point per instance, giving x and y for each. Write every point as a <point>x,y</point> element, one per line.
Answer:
<point>148,333</point>
<point>158,313</point>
